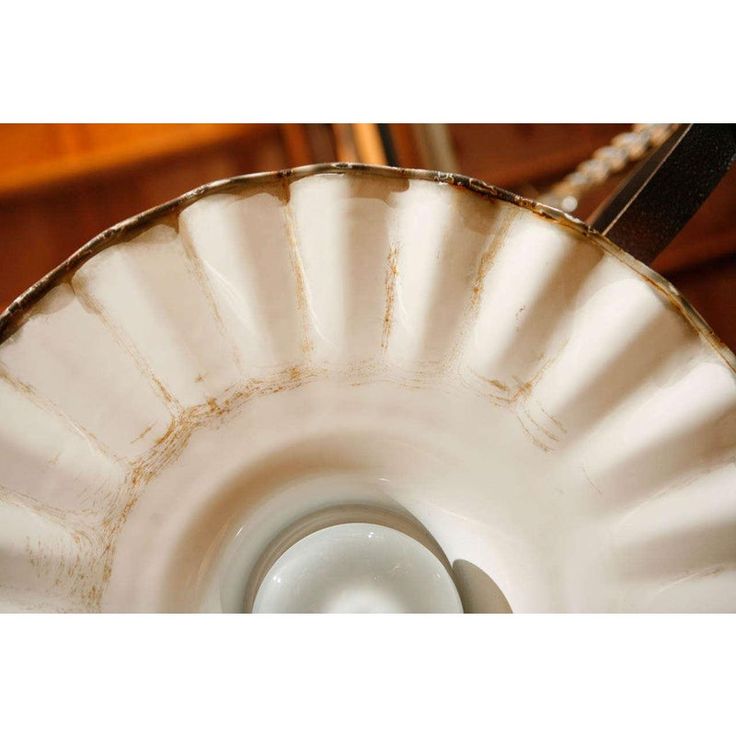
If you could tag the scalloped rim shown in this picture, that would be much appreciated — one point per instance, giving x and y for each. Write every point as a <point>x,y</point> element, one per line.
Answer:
<point>18,310</point>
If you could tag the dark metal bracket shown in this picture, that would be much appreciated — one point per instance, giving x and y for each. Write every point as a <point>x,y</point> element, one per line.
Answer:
<point>656,201</point>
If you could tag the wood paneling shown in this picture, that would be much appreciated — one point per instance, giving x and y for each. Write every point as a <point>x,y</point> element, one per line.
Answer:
<point>711,288</point>
<point>522,154</point>
<point>50,155</point>
<point>43,222</point>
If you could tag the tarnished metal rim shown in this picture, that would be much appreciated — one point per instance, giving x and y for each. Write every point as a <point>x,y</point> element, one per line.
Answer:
<point>13,316</point>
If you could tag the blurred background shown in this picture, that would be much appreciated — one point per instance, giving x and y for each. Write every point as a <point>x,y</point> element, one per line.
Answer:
<point>62,184</point>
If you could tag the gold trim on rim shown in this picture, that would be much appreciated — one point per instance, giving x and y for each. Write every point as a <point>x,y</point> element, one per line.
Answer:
<point>17,311</point>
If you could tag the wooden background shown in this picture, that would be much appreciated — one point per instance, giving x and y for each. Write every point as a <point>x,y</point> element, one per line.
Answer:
<point>62,184</point>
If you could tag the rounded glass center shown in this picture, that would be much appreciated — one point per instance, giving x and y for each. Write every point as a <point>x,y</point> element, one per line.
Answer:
<point>357,568</point>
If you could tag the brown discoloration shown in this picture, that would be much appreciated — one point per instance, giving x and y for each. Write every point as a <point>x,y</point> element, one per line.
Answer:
<point>46,511</point>
<point>48,406</point>
<point>504,218</point>
<point>525,388</point>
<point>122,339</point>
<point>487,258</point>
<point>89,568</point>
<point>15,313</point>
<point>521,389</point>
<point>66,568</point>
<point>700,574</point>
<point>588,478</point>
<point>385,189</point>
<point>142,434</point>
<point>517,399</point>
<point>169,447</point>
<point>81,575</point>
<point>302,298</point>
<point>535,440</point>
<point>554,420</point>
<point>541,428</point>
<point>392,273</point>
<point>196,268</point>
<point>282,189</point>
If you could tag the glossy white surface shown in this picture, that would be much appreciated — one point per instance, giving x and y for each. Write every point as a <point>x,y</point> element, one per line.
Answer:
<point>546,413</point>
<point>357,568</point>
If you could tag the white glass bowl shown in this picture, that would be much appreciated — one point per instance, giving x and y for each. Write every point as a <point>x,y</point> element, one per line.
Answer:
<point>202,387</point>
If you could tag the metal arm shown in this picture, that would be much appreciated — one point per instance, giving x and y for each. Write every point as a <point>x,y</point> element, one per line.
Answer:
<point>648,210</point>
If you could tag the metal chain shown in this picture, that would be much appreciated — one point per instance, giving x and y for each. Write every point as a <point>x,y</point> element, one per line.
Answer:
<point>623,150</point>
